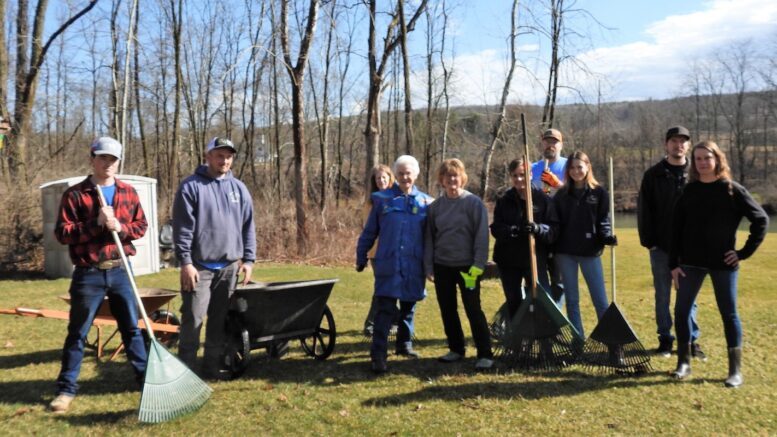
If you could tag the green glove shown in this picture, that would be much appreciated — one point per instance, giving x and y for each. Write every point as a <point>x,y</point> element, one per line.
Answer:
<point>471,277</point>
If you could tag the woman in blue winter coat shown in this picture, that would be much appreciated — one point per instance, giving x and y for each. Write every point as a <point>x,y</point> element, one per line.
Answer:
<point>398,217</point>
<point>583,211</point>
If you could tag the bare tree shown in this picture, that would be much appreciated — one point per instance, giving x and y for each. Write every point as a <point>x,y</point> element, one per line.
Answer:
<point>27,70</point>
<point>297,75</point>
<point>406,76</point>
<point>3,65</point>
<point>497,128</point>
<point>390,41</point>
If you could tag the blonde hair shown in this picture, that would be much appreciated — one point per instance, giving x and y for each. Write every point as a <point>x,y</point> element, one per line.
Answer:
<point>722,170</point>
<point>452,165</point>
<point>589,180</point>
<point>377,169</point>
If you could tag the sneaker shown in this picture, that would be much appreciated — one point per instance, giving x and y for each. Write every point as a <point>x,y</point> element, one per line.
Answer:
<point>409,353</point>
<point>61,403</point>
<point>697,353</point>
<point>368,331</point>
<point>450,357</point>
<point>484,364</point>
<point>664,348</point>
<point>379,366</point>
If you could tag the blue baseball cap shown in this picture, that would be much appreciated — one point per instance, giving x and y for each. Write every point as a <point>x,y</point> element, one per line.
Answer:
<point>220,143</point>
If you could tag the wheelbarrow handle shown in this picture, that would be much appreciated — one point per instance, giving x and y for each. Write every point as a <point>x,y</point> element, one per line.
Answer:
<point>126,265</point>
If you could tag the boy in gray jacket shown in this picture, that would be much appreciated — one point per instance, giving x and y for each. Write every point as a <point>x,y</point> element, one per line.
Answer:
<point>215,240</point>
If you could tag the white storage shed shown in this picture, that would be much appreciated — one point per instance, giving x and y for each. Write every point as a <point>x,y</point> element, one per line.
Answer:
<point>57,262</point>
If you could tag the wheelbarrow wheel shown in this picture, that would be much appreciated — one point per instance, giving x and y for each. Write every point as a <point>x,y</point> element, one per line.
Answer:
<point>167,339</point>
<point>321,344</point>
<point>237,353</point>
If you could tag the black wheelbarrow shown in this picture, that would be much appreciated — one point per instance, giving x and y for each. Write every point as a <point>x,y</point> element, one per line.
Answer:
<point>268,315</point>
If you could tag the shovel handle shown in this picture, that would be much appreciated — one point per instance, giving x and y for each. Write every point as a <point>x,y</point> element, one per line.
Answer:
<point>126,265</point>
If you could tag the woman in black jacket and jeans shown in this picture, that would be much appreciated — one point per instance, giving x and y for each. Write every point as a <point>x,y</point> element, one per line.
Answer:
<point>583,212</point>
<point>511,229</point>
<point>704,228</point>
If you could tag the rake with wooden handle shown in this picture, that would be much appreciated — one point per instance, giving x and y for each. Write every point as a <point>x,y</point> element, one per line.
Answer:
<point>613,347</point>
<point>170,389</point>
<point>538,335</point>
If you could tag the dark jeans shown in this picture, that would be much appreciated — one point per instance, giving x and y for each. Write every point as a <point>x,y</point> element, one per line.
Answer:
<point>724,282</point>
<point>513,279</point>
<point>662,283</point>
<point>87,291</point>
<point>446,281</point>
<point>385,315</point>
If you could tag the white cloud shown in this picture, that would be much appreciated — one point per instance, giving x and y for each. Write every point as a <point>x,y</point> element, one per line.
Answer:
<point>651,68</point>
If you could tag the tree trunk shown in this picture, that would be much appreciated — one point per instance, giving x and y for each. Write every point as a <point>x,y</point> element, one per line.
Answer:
<point>406,74</point>
<point>27,77</point>
<point>497,129</point>
<point>297,76</point>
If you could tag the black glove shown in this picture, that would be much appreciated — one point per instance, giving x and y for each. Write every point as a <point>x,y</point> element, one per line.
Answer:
<point>514,231</point>
<point>610,240</point>
<point>531,228</point>
<point>360,267</point>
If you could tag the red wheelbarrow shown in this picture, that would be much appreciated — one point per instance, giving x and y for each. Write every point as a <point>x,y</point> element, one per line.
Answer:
<point>163,321</point>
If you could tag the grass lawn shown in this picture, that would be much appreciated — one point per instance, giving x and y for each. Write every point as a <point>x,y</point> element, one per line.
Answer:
<point>298,395</point>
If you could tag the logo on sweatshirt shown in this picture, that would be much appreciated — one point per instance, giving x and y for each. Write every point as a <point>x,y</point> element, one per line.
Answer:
<point>234,197</point>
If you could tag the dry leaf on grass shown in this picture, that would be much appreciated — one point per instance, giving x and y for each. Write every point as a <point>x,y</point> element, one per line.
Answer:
<point>21,411</point>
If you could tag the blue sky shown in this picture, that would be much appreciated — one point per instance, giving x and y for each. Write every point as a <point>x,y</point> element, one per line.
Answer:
<point>643,51</point>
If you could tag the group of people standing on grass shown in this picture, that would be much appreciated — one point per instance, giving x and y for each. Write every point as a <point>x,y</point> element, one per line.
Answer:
<point>688,213</point>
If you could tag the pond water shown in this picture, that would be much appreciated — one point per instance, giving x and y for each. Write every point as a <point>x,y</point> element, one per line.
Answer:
<point>629,220</point>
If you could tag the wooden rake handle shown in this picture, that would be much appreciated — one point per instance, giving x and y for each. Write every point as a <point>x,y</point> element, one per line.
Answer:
<point>126,265</point>
<point>529,207</point>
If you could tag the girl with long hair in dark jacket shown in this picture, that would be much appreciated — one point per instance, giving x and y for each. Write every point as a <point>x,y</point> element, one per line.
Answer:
<point>583,211</point>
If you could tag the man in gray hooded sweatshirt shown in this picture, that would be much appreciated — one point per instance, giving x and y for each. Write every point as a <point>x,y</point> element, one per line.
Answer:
<point>215,241</point>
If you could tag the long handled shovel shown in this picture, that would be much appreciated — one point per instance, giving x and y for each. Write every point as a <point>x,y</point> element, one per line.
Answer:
<point>613,347</point>
<point>538,335</point>
<point>170,389</point>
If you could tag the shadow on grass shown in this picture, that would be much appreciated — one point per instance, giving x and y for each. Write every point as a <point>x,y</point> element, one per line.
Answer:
<point>561,385</point>
<point>111,378</point>
<point>37,357</point>
<point>105,418</point>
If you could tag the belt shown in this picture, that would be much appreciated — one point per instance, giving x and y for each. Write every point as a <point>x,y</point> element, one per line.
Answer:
<point>107,264</point>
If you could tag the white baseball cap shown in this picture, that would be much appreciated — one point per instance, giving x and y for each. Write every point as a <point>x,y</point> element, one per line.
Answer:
<point>106,146</point>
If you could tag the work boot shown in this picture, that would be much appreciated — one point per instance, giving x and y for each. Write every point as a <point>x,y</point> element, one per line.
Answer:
<point>664,348</point>
<point>61,403</point>
<point>616,356</point>
<point>697,353</point>
<point>379,366</point>
<point>408,352</point>
<point>683,369</point>
<point>734,379</point>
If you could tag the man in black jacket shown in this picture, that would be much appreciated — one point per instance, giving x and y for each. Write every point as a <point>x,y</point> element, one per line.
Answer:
<point>661,185</point>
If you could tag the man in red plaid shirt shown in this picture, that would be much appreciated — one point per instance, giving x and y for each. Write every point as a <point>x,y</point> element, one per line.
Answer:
<point>85,226</point>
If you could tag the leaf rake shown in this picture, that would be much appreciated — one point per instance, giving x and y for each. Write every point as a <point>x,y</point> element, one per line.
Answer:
<point>613,347</point>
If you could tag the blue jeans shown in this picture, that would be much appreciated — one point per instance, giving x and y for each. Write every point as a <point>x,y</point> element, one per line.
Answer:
<point>591,266</point>
<point>87,291</point>
<point>662,283</point>
<point>724,282</point>
<point>385,315</point>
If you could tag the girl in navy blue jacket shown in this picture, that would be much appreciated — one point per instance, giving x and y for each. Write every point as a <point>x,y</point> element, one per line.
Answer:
<point>583,208</point>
